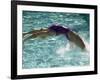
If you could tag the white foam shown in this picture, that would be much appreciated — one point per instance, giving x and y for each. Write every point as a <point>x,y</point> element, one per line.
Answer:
<point>62,50</point>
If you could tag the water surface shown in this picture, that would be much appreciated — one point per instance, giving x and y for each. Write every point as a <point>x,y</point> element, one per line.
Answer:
<point>54,51</point>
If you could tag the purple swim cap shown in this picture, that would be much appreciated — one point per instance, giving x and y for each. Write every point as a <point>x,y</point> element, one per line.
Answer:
<point>59,29</point>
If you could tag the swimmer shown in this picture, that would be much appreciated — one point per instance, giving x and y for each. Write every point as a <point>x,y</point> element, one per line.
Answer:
<point>57,30</point>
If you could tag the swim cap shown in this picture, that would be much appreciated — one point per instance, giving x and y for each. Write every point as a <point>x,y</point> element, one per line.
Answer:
<point>59,29</point>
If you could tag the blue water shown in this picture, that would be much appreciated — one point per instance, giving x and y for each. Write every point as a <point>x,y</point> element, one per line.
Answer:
<point>53,51</point>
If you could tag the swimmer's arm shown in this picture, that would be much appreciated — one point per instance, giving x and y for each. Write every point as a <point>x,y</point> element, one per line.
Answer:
<point>34,31</point>
<point>76,39</point>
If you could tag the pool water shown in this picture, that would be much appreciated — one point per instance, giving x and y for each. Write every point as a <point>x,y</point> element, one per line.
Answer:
<point>54,51</point>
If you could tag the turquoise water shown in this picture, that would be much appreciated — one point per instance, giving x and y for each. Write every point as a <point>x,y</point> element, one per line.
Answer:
<point>54,51</point>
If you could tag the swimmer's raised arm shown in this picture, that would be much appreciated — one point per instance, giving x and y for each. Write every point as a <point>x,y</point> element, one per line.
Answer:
<point>73,37</point>
<point>42,33</point>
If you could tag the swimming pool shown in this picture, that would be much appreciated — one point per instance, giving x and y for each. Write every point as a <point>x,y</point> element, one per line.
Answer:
<point>54,51</point>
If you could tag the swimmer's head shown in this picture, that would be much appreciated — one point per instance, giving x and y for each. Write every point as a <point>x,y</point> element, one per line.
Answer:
<point>58,29</point>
